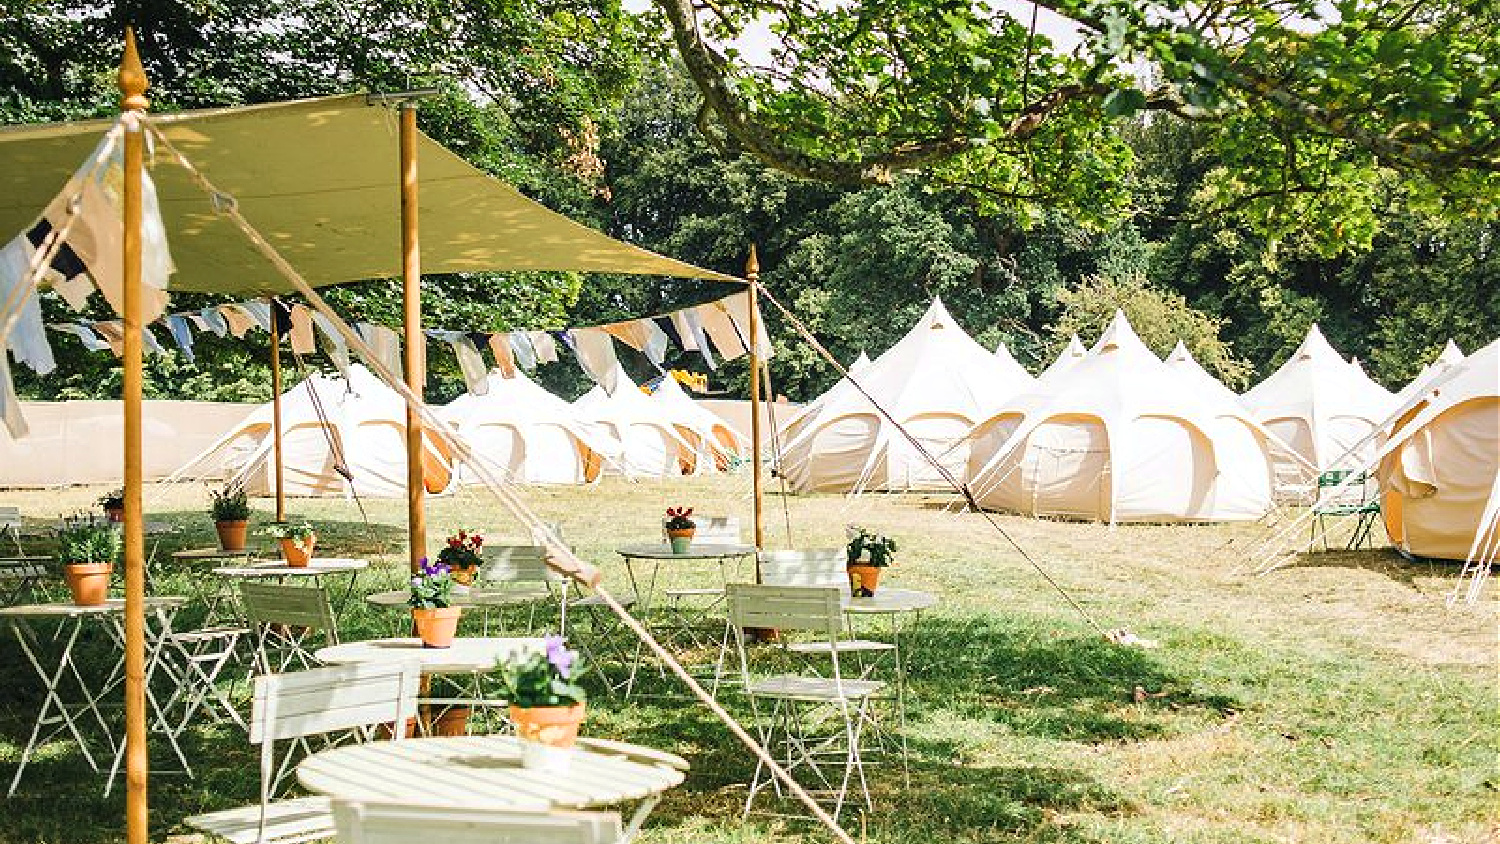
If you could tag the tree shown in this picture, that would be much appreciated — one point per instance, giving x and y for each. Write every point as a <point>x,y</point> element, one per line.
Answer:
<point>1302,99</point>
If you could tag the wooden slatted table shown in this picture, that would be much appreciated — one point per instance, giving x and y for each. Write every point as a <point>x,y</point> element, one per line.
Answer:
<point>486,772</point>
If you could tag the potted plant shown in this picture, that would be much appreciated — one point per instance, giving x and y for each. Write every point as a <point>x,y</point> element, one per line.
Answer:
<point>88,550</point>
<point>462,556</point>
<point>297,542</point>
<point>432,612</point>
<point>867,554</point>
<point>680,528</point>
<point>113,503</point>
<point>231,511</point>
<point>546,702</point>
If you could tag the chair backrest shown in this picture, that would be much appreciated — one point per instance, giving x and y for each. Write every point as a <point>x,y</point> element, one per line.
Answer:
<point>818,609</point>
<point>10,517</point>
<point>324,700</point>
<point>813,567</point>
<point>295,606</point>
<point>717,530</point>
<point>299,704</point>
<point>516,564</point>
<point>1343,486</point>
<point>393,823</point>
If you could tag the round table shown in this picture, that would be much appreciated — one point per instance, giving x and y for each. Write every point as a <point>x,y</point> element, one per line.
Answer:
<point>467,655</point>
<point>485,772</point>
<point>890,601</point>
<point>476,598</point>
<point>316,567</point>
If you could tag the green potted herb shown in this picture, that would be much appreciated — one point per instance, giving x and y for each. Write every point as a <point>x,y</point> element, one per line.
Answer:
<point>88,549</point>
<point>431,602</point>
<point>113,503</point>
<point>867,553</point>
<point>546,703</point>
<point>297,542</point>
<point>231,511</point>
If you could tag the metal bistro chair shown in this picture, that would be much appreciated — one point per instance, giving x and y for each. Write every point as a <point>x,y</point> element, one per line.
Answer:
<point>690,606</point>
<point>392,823</point>
<point>22,574</point>
<point>355,700</point>
<point>284,618</point>
<point>518,576</point>
<point>813,722</point>
<point>1343,493</point>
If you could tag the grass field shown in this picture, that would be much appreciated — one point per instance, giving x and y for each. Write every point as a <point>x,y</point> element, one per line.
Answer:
<point>1335,700</point>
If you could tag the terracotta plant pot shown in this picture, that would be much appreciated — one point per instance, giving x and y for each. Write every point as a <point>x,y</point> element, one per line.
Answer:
<point>436,627</point>
<point>384,732</point>
<point>464,576</point>
<point>681,539</point>
<point>553,726</point>
<point>298,555</point>
<point>447,721</point>
<point>89,582</point>
<point>115,514</point>
<point>232,534</point>
<point>863,579</point>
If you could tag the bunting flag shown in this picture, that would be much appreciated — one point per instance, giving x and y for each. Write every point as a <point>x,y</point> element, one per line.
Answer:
<point>716,330</point>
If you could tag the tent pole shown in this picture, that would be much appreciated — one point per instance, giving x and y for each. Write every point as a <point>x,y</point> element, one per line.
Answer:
<point>276,414</point>
<point>752,274</point>
<point>416,367</point>
<point>133,84</point>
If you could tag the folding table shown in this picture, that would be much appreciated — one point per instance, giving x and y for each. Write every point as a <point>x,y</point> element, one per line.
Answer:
<point>52,656</point>
<point>317,567</point>
<point>486,772</point>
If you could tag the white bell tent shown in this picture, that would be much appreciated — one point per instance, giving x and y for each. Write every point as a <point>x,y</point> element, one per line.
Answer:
<point>1438,469</point>
<point>650,446</point>
<point>1450,355</point>
<point>1119,436</point>
<point>1008,365</point>
<point>528,434</point>
<point>936,382</point>
<point>1322,406</point>
<point>328,424</point>
<point>710,436</point>
<point>1066,359</point>
<point>1184,364</point>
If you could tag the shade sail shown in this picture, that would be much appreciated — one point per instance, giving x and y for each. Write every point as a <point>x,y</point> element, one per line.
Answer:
<point>319,178</point>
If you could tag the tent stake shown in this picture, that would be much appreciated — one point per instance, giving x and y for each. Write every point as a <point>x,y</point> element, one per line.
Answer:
<point>276,413</point>
<point>416,365</point>
<point>133,84</point>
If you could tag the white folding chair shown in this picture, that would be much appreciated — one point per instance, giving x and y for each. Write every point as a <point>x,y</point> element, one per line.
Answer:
<point>814,722</point>
<point>518,576</point>
<point>392,823</point>
<point>20,574</point>
<point>284,619</point>
<point>349,699</point>
<point>690,606</point>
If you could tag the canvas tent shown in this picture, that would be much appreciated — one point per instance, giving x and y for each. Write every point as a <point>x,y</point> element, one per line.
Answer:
<point>530,435</point>
<point>1182,362</point>
<point>1066,359</point>
<point>326,420</point>
<point>1121,437</point>
<point>709,435</point>
<point>1323,407</point>
<point>1008,365</point>
<point>936,382</point>
<point>1439,467</point>
<point>1450,355</point>
<point>650,445</point>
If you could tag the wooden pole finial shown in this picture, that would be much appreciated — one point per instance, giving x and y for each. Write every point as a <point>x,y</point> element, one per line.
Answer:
<point>132,77</point>
<point>752,265</point>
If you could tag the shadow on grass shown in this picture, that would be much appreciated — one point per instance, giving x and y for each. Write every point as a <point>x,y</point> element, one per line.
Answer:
<point>1383,561</point>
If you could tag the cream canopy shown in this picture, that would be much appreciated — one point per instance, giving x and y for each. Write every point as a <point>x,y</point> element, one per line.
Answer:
<point>318,178</point>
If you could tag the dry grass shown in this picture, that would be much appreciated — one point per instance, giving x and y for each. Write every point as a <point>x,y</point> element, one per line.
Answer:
<point>1333,700</point>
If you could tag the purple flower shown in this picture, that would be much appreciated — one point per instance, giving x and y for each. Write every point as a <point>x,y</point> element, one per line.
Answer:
<point>559,655</point>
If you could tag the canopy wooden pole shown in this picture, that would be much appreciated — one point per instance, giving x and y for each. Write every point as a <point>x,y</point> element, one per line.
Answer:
<point>276,415</point>
<point>416,365</point>
<point>133,84</point>
<point>752,274</point>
